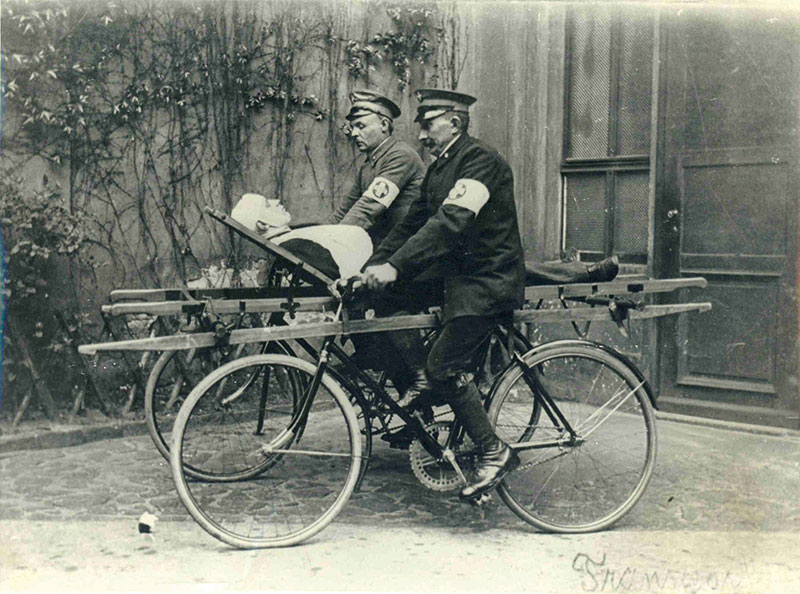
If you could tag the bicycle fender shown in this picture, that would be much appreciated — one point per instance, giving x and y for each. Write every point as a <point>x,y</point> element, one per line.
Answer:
<point>574,341</point>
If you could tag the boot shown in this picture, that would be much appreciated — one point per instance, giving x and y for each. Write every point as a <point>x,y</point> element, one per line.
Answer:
<point>419,387</point>
<point>416,397</point>
<point>491,466</point>
<point>603,271</point>
<point>402,438</point>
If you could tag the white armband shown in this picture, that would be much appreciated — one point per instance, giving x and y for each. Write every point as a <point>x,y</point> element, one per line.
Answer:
<point>468,193</point>
<point>383,190</point>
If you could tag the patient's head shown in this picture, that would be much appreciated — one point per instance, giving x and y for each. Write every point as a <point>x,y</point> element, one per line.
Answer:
<point>261,214</point>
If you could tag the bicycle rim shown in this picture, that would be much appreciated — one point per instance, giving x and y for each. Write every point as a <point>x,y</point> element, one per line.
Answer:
<point>288,485</point>
<point>590,484</point>
<point>171,380</point>
<point>173,376</point>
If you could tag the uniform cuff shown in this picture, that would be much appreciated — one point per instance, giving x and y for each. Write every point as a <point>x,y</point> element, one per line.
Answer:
<point>397,263</point>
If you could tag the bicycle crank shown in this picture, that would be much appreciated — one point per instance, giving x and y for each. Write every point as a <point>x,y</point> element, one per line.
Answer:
<point>439,475</point>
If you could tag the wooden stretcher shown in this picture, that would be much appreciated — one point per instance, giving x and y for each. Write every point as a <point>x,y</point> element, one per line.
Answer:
<point>618,301</point>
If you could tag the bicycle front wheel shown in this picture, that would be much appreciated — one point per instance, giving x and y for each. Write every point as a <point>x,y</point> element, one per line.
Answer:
<point>292,465</point>
<point>589,481</point>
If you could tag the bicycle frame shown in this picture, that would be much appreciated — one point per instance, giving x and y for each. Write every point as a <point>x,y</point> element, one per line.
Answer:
<point>573,436</point>
<point>413,419</point>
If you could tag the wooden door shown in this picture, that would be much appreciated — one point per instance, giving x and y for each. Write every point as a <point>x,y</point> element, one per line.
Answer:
<point>728,210</point>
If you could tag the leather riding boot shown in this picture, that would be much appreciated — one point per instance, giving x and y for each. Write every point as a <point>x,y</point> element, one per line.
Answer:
<point>419,387</point>
<point>490,468</point>
<point>603,271</point>
<point>417,397</point>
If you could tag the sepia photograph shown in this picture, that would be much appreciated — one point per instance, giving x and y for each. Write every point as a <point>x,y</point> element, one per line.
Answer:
<point>400,296</point>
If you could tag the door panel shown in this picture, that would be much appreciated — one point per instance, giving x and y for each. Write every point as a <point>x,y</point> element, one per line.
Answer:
<point>731,150</point>
<point>734,202</point>
<point>734,346</point>
<point>735,209</point>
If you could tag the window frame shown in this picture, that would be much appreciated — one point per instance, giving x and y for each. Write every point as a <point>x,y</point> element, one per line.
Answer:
<point>612,164</point>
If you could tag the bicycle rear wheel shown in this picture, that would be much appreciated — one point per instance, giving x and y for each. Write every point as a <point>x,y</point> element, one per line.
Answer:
<point>288,480</point>
<point>590,483</point>
<point>174,375</point>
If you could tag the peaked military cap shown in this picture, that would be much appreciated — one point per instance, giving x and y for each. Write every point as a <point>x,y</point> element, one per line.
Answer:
<point>436,102</point>
<point>366,102</point>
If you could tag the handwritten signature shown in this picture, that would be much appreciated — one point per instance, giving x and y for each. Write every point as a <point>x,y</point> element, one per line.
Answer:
<point>597,576</point>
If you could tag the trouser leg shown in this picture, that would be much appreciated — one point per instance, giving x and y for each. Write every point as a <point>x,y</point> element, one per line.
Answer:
<point>468,409</point>
<point>556,272</point>
<point>450,367</point>
<point>376,351</point>
<point>405,349</point>
<point>407,299</point>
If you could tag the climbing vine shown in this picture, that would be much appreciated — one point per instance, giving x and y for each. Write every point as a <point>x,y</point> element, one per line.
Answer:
<point>409,43</point>
<point>146,112</point>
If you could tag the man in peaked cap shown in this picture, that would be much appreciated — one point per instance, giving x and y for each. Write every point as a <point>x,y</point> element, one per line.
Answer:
<point>437,102</point>
<point>388,181</point>
<point>465,221</point>
<point>385,186</point>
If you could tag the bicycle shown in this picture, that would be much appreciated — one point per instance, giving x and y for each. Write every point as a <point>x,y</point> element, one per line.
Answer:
<point>564,406</point>
<point>174,373</point>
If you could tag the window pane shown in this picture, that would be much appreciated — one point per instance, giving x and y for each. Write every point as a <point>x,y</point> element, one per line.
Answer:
<point>635,71</point>
<point>630,213</point>
<point>585,211</point>
<point>589,83</point>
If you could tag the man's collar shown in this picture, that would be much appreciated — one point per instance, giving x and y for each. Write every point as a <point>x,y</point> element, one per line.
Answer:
<point>381,149</point>
<point>445,154</point>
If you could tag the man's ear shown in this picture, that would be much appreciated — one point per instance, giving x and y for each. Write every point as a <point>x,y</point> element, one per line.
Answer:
<point>455,121</point>
<point>261,226</point>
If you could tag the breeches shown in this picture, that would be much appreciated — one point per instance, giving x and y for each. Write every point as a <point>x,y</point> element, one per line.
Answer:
<point>454,356</point>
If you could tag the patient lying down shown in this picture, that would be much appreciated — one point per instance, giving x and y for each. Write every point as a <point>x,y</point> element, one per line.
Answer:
<point>340,251</point>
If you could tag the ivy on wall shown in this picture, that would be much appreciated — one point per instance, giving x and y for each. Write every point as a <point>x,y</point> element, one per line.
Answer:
<point>149,111</point>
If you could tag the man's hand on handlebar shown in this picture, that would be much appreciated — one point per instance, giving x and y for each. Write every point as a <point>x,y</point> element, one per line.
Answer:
<point>377,277</point>
<point>373,278</point>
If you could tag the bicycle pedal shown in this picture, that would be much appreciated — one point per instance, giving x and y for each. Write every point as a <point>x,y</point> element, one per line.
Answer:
<point>482,500</point>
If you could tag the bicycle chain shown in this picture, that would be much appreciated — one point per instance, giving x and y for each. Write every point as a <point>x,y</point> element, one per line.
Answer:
<point>537,461</point>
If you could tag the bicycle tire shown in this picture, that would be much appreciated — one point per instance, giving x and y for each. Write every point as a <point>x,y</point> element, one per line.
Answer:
<point>168,385</point>
<point>304,484</point>
<point>591,484</point>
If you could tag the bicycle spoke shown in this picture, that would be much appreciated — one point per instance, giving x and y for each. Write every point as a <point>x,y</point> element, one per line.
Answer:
<point>605,406</point>
<point>284,484</point>
<point>586,480</point>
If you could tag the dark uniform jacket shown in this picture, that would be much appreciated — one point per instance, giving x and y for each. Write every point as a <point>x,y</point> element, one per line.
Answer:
<point>386,185</point>
<point>465,223</point>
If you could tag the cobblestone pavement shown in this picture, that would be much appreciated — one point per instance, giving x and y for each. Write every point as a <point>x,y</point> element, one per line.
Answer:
<point>705,479</point>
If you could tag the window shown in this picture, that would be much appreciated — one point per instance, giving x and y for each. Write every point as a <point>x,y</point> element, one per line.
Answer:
<point>607,131</point>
